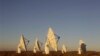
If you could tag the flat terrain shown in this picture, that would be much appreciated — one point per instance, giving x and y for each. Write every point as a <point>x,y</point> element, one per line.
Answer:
<point>30,53</point>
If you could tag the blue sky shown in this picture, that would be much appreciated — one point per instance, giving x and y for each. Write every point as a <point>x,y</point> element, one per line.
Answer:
<point>72,20</point>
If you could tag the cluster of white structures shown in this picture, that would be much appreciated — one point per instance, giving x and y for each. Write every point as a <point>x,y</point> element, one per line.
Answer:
<point>51,42</point>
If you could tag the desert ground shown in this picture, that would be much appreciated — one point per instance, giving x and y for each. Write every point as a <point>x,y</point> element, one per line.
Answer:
<point>30,53</point>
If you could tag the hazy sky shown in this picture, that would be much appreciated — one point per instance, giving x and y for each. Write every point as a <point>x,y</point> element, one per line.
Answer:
<point>72,20</point>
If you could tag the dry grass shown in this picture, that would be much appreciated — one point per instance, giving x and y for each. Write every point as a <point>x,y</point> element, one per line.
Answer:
<point>30,53</point>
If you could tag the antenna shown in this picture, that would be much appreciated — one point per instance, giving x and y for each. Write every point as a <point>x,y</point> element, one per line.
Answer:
<point>36,46</point>
<point>51,39</point>
<point>22,44</point>
<point>64,49</point>
<point>82,47</point>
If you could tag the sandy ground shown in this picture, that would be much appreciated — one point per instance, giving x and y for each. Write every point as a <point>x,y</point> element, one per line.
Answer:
<point>30,53</point>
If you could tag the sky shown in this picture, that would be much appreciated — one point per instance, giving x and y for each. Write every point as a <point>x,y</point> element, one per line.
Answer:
<point>72,20</point>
